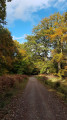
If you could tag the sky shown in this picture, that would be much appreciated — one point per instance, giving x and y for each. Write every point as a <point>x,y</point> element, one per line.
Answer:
<point>22,15</point>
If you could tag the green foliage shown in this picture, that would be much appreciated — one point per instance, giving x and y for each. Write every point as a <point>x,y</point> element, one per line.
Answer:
<point>57,85</point>
<point>62,73</point>
<point>3,11</point>
<point>48,67</point>
<point>7,51</point>
<point>23,63</point>
<point>48,44</point>
<point>44,52</point>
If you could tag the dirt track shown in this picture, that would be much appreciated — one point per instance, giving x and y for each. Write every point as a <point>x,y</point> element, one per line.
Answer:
<point>36,103</point>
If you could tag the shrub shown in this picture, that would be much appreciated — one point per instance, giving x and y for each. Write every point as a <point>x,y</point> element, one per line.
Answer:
<point>62,73</point>
<point>10,85</point>
<point>9,81</point>
<point>56,85</point>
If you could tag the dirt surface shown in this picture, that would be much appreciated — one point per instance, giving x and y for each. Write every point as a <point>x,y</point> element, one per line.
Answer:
<point>36,103</point>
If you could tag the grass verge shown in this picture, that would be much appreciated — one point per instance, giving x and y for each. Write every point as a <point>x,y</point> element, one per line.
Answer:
<point>56,84</point>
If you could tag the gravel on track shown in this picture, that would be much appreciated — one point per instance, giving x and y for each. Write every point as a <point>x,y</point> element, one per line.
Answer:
<point>36,103</point>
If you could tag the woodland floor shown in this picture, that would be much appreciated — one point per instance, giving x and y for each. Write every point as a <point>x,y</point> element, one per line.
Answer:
<point>36,103</point>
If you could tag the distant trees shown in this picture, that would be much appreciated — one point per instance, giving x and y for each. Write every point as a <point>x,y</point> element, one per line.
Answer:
<point>23,63</point>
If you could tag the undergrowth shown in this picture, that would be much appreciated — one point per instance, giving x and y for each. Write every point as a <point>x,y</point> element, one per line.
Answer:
<point>11,85</point>
<point>56,85</point>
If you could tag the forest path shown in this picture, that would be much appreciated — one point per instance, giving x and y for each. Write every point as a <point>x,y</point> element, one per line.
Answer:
<point>36,103</point>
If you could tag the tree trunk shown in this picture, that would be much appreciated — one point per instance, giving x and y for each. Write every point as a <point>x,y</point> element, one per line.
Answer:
<point>59,66</point>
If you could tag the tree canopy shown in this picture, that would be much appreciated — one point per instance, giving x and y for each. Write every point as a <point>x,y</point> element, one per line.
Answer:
<point>48,42</point>
<point>44,52</point>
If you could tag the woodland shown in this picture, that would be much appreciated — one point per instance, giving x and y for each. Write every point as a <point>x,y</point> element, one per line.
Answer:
<point>44,52</point>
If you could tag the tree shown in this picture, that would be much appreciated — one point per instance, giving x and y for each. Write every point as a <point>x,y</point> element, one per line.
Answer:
<point>59,41</point>
<point>48,41</point>
<point>23,62</point>
<point>3,11</point>
<point>7,50</point>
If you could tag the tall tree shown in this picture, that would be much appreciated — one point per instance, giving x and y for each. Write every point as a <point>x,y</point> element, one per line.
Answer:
<point>49,39</point>
<point>7,50</point>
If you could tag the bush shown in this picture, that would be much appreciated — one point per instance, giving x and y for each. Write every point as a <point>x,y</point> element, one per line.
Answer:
<point>62,73</point>
<point>48,67</point>
<point>56,85</point>
<point>42,78</point>
<point>9,81</point>
<point>10,85</point>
